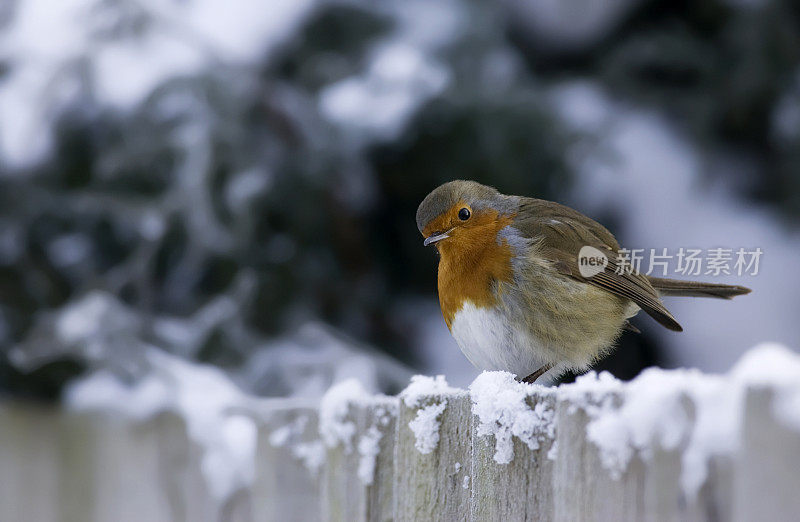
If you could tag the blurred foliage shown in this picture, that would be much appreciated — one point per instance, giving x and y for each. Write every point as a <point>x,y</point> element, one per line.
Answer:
<point>233,181</point>
<point>331,46</point>
<point>510,142</point>
<point>724,70</point>
<point>43,383</point>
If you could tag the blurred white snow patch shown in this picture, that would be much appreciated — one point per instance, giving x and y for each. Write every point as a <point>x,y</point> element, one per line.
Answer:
<point>85,319</point>
<point>237,30</point>
<point>501,404</point>
<point>69,249</point>
<point>719,406</point>
<point>399,79</point>
<point>46,74</point>
<point>104,390</point>
<point>308,362</point>
<point>152,225</point>
<point>229,461</point>
<point>335,426</point>
<point>582,105</point>
<point>769,364</point>
<point>429,24</point>
<point>96,327</point>
<point>33,62</point>
<point>127,71</point>
<point>401,75</point>
<point>281,436</point>
<point>311,454</point>
<point>384,409</point>
<point>674,408</point>
<point>293,435</point>
<point>568,25</point>
<point>654,409</point>
<point>245,186</point>
<point>590,389</point>
<point>201,394</point>
<point>429,394</point>
<point>776,366</point>
<point>368,449</point>
<point>337,423</point>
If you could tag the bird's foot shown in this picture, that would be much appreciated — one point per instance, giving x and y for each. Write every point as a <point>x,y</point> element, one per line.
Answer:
<point>530,379</point>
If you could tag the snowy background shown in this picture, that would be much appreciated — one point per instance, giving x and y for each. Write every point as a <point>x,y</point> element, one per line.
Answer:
<point>234,184</point>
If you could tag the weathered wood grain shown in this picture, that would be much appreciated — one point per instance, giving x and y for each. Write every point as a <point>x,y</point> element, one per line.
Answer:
<point>520,490</point>
<point>358,483</point>
<point>428,486</point>
<point>286,486</point>
<point>379,496</point>
<point>59,465</point>
<point>767,470</point>
<point>583,488</point>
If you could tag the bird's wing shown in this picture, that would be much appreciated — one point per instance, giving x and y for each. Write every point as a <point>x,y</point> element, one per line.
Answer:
<point>561,232</point>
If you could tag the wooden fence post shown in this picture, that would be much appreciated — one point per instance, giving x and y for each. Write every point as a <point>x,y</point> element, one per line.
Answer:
<point>583,488</point>
<point>523,488</point>
<point>357,483</point>
<point>767,476</point>
<point>376,448</point>
<point>289,461</point>
<point>599,450</point>
<point>434,483</point>
<point>29,463</point>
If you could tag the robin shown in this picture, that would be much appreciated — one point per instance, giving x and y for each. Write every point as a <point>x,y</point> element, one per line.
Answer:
<point>530,286</point>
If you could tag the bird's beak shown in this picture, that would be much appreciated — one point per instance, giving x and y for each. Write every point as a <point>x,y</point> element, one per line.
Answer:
<point>436,238</point>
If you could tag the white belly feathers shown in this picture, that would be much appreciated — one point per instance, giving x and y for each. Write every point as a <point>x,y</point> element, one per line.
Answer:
<point>491,343</point>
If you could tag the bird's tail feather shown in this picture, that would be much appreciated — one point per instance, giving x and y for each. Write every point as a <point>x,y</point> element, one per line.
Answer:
<point>675,287</point>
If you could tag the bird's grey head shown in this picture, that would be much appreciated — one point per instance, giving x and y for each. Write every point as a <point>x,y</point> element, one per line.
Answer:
<point>442,202</point>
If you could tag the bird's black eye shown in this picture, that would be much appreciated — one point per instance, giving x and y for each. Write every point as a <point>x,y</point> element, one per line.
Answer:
<point>463,214</point>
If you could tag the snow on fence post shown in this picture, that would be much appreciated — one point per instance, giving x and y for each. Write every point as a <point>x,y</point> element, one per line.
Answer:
<point>359,435</point>
<point>512,478</point>
<point>670,445</point>
<point>714,501</point>
<point>342,493</point>
<point>433,454</point>
<point>376,449</point>
<point>183,477</point>
<point>664,500</point>
<point>767,478</point>
<point>584,489</point>
<point>289,458</point>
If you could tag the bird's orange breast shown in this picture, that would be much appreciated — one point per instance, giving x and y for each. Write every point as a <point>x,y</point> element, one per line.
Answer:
<point>472,262</point>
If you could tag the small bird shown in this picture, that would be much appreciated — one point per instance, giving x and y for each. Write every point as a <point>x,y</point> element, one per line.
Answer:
<point>514,293</point>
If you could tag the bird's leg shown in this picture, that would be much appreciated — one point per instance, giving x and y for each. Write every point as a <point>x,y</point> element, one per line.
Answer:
<point>530,379</point>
